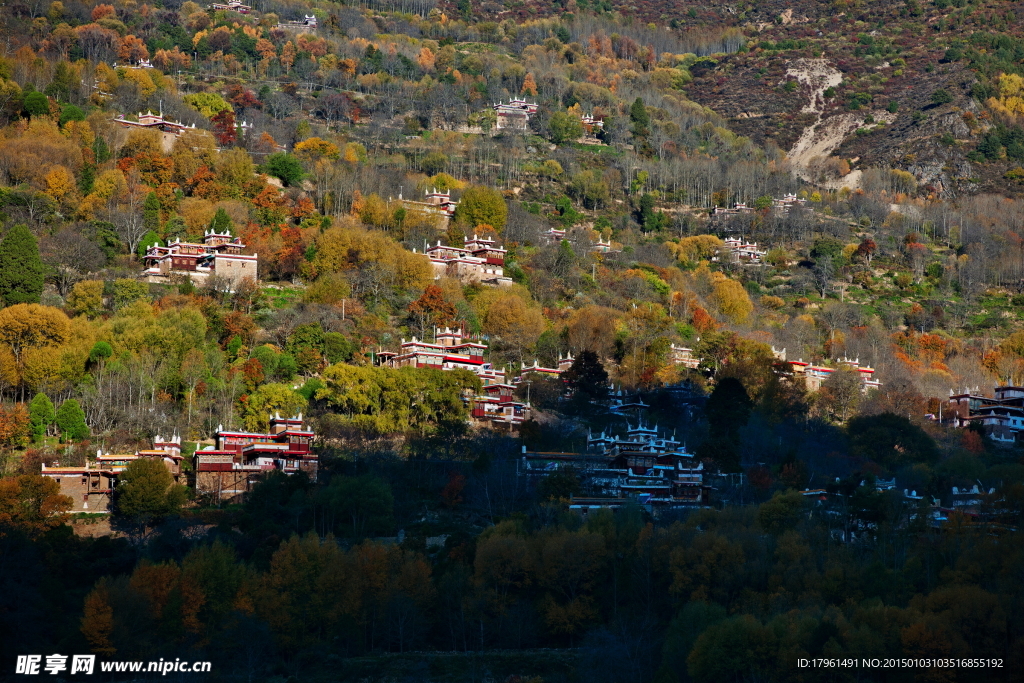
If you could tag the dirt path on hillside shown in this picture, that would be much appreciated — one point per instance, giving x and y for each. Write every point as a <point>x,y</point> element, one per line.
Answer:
<point>817,75</point>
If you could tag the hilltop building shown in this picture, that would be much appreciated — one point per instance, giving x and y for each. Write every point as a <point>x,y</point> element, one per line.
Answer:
<point>744,252</point>
<point>738,208</point>
<point>788,201</point>
<point>591,126</point>
<point>781,206</point>
<point>220,254</point>
<point>91,486</point>
<point>480,261</point>
<point>515,114</point>
<point>562,366</point>
<point>682,355</point>
<point>239,460</point>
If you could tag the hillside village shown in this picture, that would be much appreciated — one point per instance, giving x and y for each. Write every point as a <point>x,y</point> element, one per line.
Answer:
<point>519,342</point>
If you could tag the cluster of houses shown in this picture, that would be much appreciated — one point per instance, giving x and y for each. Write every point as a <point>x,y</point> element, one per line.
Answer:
<point>307,23</point>
<point>232,6</point>
<point>436,203</point>
<point>219,255</point>
<point>642,467</point>
<point>481,261</point>
<point>229,469</point>
<point>169,130</point>
<point>966,500</point>
<point>1001,415</point>
<point>224,472</point>
<point>813,376</point>
<point>781,206</point>
<point>451,349</point>
<point>743,252</point>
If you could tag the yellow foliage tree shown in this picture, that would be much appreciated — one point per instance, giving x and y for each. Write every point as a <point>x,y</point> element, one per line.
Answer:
<point>1011,95</point>
<point>315,148</point>
<point>347,245</point>
<point>426,59</point>
<point>732,300</point>
<point>695,248</point>
<point>60,184</point>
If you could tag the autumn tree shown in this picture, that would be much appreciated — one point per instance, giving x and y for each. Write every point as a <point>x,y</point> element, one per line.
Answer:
<point>529,86</point>
<point>22,274</point>
<point>86,298</point>
<point>224,127</point>
<point>27,326</point>
<point>840,393</point>
<point>97,623</point>
<point>482,205</point>
<point>514,325</point>
<point>259,405</point>
<point>32,503</point>
<point>732,300</point>
<point>383,400</point>
<point>432,310</point>
<point>593,327</point>
<point>15,425</point>
<point>866,249</point>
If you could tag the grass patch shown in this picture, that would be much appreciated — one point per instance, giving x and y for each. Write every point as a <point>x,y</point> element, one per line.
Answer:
<point>282,297</point>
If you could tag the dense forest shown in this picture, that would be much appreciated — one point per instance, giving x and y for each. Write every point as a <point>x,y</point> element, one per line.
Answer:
<point>698,202</point>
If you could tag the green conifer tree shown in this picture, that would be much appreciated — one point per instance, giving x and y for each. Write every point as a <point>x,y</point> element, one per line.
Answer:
<point>41,414</point>
<point>151,212</point>
<point>70,419</point>
<point>22,274</point>
<point>221,222</point>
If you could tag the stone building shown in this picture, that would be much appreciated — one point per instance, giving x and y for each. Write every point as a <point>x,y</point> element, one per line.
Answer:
<point>514,114</point>
<point>220,254</point>
<point>480,261</point>
<point>91,486</point>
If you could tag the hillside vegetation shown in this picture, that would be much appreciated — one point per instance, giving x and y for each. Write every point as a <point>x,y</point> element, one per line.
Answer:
<point>878,149</point>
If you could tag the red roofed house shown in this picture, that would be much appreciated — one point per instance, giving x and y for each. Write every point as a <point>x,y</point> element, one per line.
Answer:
<point>481,260</point>
<point>240,459</point>
<point>451,351</point>
<point>815,375</point>
<point>220,254</point>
